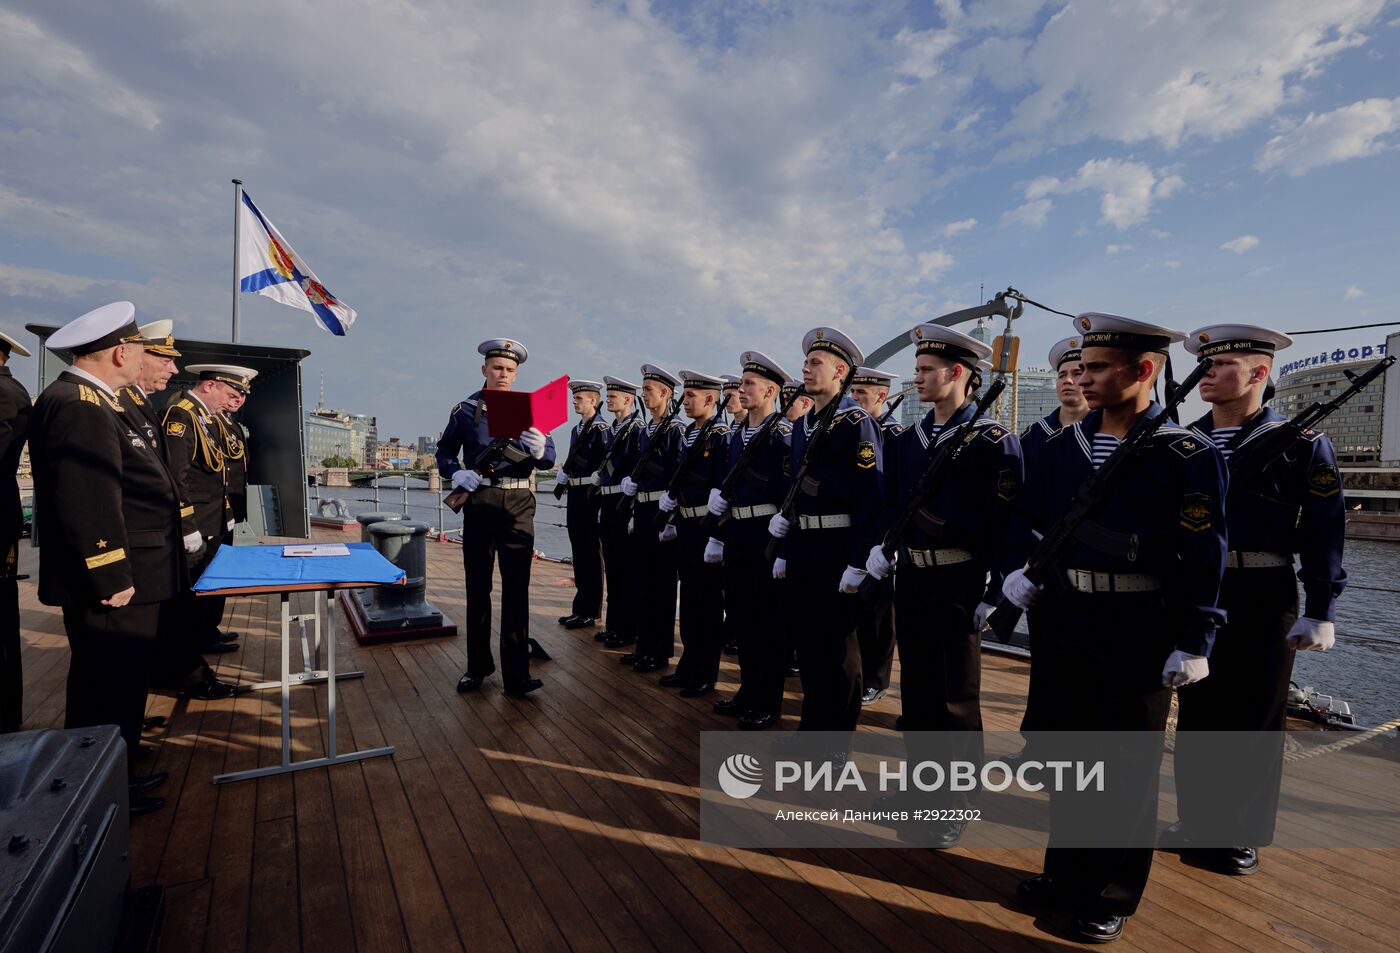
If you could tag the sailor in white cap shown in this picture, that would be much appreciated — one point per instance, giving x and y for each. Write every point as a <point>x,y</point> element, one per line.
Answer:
<point>1065,361</point>
<point>14,427</point>
<point>729,396</point>
<point>1135,612</point>
<point>498,521</point>
<point>822,547</point>
<point>796,404</point>
<point>741,539</point>
<point>588,445</point>
<point>157,368</point>
<point>1293,503</point>
<point>618,562</point>
<point>111,527</point>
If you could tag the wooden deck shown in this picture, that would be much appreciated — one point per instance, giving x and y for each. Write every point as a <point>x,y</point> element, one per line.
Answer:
<point>569,819</point>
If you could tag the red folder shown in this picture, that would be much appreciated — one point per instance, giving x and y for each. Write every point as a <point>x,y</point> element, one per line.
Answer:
<point>509,413</point>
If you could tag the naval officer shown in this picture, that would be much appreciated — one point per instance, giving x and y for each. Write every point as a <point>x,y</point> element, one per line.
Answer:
<point>624,448</point>
<point>157,368</point>
<point>14,428</point>
<point>588,445</point>
<point>498,521</point>
<point>109,514</point>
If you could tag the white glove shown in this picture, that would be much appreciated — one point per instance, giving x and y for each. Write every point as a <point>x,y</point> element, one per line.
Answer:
<point>718,505</point>
<point>876,564</point>
<point>780,569</point>
<point>192,542</point>
<point>851,579</point>
<point>1021,591</point>
<point>667,503</point>
<point>533,440</point>
<point>230,525</point>
<point>1312,635</point>
<point>562,479</point>
<point>467,480</point>
<point>714,551</point>
<point>629,488</point>
<point>667,533</point>
<point>1182,669</point>
<point>979,616</point>
<point>779,525</point>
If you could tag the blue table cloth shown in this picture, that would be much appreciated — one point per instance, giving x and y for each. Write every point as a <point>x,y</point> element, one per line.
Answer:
<point>236,567</point>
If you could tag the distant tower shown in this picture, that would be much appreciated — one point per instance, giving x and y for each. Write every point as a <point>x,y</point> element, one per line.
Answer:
<point>321,401</point>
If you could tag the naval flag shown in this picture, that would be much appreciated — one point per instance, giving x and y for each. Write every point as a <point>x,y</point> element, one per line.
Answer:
<point>267,265</point>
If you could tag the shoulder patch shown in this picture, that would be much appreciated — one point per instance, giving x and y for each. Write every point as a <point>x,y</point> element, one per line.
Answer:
<point>865,454</point>
<point>185,404</point>
<point>175,428</point>
<point>1324,480</point>
<point>1189,445</point>
<point>1196,512</point>
<point>1008,485</point>
<point>1308,435</point>
<point>87,394</point>
<point>996,433</point>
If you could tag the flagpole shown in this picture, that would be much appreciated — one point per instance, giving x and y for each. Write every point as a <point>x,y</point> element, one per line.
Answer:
<point>237,207</point>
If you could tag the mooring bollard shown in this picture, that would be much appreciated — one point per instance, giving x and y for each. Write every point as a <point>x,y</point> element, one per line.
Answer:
<point>366,520</point>
<point>403,543</point>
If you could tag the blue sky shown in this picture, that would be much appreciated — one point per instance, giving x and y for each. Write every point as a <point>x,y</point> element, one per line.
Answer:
<point>616,183</point>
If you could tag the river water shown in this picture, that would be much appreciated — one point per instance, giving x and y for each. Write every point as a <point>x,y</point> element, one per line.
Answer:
<point>1362,670</point>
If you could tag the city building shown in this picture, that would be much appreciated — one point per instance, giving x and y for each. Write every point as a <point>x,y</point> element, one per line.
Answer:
<point>1355,428</point>
<point>393,455</point>
<point>325,435</point>
<point>428,445</point>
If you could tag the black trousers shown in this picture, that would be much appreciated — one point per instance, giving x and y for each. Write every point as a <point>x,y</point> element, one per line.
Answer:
<point>655,573</point>
<point>824,628</point>
<point>620,562</point>
<point>877,635</point>
<point>702,606</point>
<point>1102,656</point>
<point>109,670</point>
<point>499,524</point>
<point>585,542</point>
<point>1246,691</point>
<point>752,601</point>
<point>181,628</point>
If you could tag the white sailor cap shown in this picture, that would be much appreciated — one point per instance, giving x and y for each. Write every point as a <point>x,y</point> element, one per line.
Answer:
<point>731,381</point>
<point>756,362</point>
<point>1216,339</point>
<point>99,329</point>
<point>503,347</point>
<point>159,338</point>
<point>10,346</point>
<point>872,377</point>
<point>837,342</point>
<point>1098,329</point>
<point>790,387</point>
<point>239,378</point>
<point>579,384</point>
<point>651,372</point>
<point>1065,350</point>
<point>698,381</point>
<point>946,343</point>
<point>617,383</point>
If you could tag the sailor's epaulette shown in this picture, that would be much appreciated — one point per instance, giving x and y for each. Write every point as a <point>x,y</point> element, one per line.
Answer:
<point>1186,443</point>
<point>851,414</point>
<point>892,427</point>
<point>599,424</point>
<point>135,395</point>
<point>185,403</point>
<point>783,427</point>
<point>467,404</point>
<point>993,432</point>
<point>1309,435</point>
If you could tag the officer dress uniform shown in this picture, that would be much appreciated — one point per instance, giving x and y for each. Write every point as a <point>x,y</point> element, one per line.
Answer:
<point>109,516</point>
<point>14,430</point>
<point>702,583</point>
<point>1294,506</point>
<point>619,562</point>
<point>655,566</point>
<point>1141,581</point>
<point>877,619</point>
<point>498,521</point>
<point>588,444</point>
<point>236,467</point>
<point>750,591</point>
<point>833,528</point>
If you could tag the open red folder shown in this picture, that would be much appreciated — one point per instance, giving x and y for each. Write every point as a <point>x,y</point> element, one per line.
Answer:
<point>509,413</point>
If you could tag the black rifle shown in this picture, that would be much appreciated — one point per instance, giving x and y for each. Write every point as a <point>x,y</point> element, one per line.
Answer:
<point>693,453</point>
<point>823,426</point>
<point>484,464</point>
<point>624,508</point>
<point>559,488</point>
<point>1054,545</point>
<point>889,411</point>
<point>944,456</point>
<point>1252,459</point>
<point>622,431</point>
<point>746,458</point>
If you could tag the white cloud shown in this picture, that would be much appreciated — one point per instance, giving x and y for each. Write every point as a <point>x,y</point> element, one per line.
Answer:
<point>1032,214</point>
<point>1362,129</point>
<point>958,227</point>
<point>1352,293</point>
<point>1129,189</point>
<point>1115,249</point>
<point>1240,245</point>
<point>934,263</point>
<point>1171,264</point>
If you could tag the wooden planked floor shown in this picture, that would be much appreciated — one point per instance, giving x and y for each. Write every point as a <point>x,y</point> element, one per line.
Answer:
<point>569,819</point>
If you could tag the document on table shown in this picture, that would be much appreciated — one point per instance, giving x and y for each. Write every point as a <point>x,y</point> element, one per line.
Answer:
<point>317,549</point>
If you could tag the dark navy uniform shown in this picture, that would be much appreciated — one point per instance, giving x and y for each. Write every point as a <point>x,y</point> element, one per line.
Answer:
<point>834,527</point>
<point>702,583</point>
<point>590,440</point>
<point>195,450</point>
<point>139,408</point>
<point>235,465</point>
<point>655,567</point>
<point>877,621</point>
<point>498,520</point>
<point>1033,437</point>
<point>619,560</point>
<point>14,430</point>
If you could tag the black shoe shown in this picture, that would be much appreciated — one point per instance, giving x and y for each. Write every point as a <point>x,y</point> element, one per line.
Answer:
<point>944,835</point>
<point>155,721</point>
<point>793,672</point>
<point>537,651</point>
<point>579,622</point>
<point>602,635</point>
<point>144,783</point>
<point>757,720</point>
<point>697,691</point>
<point>726,706</point>
<point>140,804</point>
<point>670,681</point>
<point>218,648</point>
<point>210,689</point>
<point>731,648</point>
<point>217,636</point>
<point>631,658</point>
<point>647,664</point>
<point>1235,861</point>
<point>619,641</point>
<point>468,683</point>
<point>522,688</point>
<point>1097,927</point>
<point>872,695</point>
<point>566,620</point>
<point>1038,892</point>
